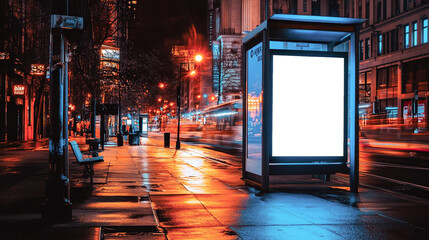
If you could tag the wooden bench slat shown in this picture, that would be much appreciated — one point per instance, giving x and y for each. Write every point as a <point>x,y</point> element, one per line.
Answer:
<point>93,159</point>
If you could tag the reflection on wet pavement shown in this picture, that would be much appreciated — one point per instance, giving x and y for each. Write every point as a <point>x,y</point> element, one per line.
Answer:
<point>196,198</point>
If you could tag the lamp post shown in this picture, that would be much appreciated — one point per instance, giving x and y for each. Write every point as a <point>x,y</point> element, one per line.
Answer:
<point>178,108</point>
<point>198,59</point>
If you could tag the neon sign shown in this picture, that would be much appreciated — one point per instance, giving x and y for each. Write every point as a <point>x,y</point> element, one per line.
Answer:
<point>18,90</point>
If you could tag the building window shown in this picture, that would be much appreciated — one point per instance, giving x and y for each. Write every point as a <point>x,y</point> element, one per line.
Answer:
<point>346,8</point>
<point>387,77</point>
<point>367,9</point>
<point>304,6</point>
<point>389,109</point>
<point>293,7</point>
<point>380,44</point>
<point>387,87</point>
<point>367,48</point>
<point>334,8</point>
<point>384,9</point>
<point>425,30</point>
<point>394,45</point>
<point>364,87</point>
<point>415,76</point>
<point>407,36</point>
<point>379,17</point>
<point>315,7</point>
<point>396,8</point>
<point>414,36</point>
<point>360,10</point>
<point>361,50</point>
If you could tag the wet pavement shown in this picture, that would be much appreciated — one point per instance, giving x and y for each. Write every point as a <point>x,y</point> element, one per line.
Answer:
<point>152,192</point>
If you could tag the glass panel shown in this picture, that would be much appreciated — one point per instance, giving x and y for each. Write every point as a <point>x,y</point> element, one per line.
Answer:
<point>414,33</point>
<point>254,110</point>
<point>380,44</point>
<point>343,47</point>
<point>301,124</point>
<point>361,50</point>
<point>406,36</point>
<point>145,122</point>
<point>367,48</point>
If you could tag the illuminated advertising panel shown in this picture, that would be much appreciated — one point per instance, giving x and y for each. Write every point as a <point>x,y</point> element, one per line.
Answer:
<point>308,106</point>
<point>145,125</point>
<point>254,113</point>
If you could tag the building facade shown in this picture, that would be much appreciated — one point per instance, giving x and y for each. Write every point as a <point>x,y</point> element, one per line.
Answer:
<point>229,21</point>
<point>394,49</point>
<point>394,62</point>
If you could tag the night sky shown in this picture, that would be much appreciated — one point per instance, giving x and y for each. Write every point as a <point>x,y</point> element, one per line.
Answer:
<point>162,23</point>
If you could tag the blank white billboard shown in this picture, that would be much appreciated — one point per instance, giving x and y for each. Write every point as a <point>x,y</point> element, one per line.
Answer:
<point>308,106</point>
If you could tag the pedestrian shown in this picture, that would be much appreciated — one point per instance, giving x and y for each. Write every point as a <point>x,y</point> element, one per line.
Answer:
<point>78,128</point>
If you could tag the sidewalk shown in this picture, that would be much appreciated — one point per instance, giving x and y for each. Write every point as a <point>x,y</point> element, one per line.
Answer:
<point>149,192</point>
<point>116,203</point>
<point>24,145</point>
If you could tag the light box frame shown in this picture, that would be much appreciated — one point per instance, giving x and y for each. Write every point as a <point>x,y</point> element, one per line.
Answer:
<point>309,159</point>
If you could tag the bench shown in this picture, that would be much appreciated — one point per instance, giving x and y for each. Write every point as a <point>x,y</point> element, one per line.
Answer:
<point>93,143</point>
<point>88,162</point>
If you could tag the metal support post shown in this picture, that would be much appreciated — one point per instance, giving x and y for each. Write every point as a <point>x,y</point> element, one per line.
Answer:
<point>354,114</point>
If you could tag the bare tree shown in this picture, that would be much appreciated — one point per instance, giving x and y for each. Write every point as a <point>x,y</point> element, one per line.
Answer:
<point>25,39</point>
<point>226,70</point>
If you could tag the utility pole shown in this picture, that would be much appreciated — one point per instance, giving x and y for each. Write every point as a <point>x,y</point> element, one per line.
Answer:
<point>57,205</point>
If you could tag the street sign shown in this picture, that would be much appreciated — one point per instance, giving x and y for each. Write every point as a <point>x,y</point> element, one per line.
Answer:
<point>66,22</point>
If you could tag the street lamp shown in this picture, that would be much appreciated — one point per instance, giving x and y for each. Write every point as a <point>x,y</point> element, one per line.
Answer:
<point>198,58</point>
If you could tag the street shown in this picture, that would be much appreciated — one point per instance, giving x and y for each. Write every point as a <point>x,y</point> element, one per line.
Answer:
<point>150,192</point>
<point>396,170</point>
<point>399,171</point>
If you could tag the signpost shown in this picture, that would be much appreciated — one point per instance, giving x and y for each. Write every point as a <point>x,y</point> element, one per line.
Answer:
<point>66,22</point>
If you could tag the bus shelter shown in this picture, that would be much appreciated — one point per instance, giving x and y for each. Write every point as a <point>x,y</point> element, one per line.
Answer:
<point>143,124</point>
<point>300,78</point>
